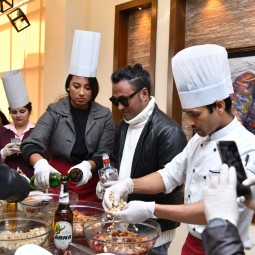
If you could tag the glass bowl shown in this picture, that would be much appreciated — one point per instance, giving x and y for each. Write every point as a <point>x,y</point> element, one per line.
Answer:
<point>44,202</point>
<point>84,212</point>
<point>18,228</point>
<point>122,238</point>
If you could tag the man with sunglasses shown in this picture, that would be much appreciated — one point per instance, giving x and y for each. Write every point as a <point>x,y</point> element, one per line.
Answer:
<point>145,140</point>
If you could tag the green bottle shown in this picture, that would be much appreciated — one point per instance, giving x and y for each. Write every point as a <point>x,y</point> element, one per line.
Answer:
<point>75,175</point>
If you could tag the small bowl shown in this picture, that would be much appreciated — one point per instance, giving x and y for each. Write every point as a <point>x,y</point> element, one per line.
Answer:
<point>44,203</point>
<point>84,212</point>
<point>17,229</point>
<point>122,238</point>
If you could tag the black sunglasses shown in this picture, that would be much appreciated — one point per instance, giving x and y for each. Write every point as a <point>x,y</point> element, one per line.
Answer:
<point>123,99</point>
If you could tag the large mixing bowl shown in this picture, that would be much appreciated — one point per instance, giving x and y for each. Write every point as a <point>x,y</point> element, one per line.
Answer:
<point>17,229</point>
<point>44,203</point>
<point>122,238</point>
<point>84,212</point>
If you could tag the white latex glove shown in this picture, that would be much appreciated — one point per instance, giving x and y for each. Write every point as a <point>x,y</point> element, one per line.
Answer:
<point>250,181</point>
<point>9,149</point>
<point>31,249</point>
<point>100,188</point>
<point>135,212</point>
<point>85,167</point>
<point>42,173</point>
<point>220,199</point>
<point>119,190</point>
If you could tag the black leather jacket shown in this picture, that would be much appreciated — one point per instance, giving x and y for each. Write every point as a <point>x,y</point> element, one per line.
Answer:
<point>222,240</point>
<point>160,141</point>
<point>13,186</point>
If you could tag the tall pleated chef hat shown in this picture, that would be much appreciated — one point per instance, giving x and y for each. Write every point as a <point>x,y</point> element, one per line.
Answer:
<point>85,52</point>
<point>15,89</point>
<point>202,75</point>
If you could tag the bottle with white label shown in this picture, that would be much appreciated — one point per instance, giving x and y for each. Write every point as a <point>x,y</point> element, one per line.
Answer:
<point>107,173</point>
<point>63,220</point>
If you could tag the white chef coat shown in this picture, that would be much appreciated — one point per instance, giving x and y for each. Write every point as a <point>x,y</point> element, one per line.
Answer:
<point>200,161</point>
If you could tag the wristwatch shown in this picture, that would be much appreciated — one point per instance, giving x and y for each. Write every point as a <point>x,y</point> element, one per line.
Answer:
<point>217,222</point>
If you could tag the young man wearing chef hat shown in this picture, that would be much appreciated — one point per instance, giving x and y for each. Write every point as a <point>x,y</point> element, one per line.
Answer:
<point>203,81</point>
<point>76,130</point>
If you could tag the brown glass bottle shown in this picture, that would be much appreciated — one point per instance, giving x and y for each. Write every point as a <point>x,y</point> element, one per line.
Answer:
<point>63,220</point>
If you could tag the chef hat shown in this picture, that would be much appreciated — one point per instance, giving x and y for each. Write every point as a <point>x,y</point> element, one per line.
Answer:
<point>202,75</point>
<point>85,52</point>
<point>15,89</point>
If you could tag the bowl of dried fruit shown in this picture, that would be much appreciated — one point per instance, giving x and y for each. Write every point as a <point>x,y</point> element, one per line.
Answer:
<point>122,238</point>
<point>18,228</point>
<point>83,213</point>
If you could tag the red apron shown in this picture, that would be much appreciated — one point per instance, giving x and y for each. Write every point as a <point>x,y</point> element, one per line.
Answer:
<point>192,246</point>
<point>87,191</point>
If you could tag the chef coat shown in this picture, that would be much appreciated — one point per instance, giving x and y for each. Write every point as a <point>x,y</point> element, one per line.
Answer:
<point>200,161</point>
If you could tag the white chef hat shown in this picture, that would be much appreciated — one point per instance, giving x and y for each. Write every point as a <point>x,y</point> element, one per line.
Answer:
<point>202,75</point>
<point>85,52</point>
<point>15,89</point>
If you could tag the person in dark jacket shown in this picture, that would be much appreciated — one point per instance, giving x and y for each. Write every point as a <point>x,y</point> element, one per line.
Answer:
<point>145,139</point>
<point>3,119</point>
<point>221,235</point>
<point>13,186</point>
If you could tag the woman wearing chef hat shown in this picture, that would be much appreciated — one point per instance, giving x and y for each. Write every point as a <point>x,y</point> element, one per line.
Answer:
<point>11,135</point>
<point>76,130</point>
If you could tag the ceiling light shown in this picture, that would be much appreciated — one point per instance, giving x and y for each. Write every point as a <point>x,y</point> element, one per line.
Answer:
<point>5,5</point>
<point>18,19</point>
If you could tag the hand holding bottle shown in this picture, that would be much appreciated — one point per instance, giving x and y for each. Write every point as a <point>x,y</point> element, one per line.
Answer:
<point>85,167</point>
<point>42,173</point>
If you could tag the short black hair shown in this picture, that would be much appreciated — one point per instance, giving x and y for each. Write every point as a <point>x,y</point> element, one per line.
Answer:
<point>28,106</point>
<point>136,76</point>
<point>93,83</point>
<point>228,103</point>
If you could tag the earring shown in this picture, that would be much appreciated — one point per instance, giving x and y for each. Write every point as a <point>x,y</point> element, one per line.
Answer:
<point>67,89</point>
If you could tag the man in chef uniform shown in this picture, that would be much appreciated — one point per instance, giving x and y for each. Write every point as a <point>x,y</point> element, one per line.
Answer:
<point>203,81</point>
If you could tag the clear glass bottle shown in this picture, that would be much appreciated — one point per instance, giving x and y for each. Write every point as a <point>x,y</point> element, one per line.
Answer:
<point>63,220</point>
<point>75,175</point>
<point>107,173</point>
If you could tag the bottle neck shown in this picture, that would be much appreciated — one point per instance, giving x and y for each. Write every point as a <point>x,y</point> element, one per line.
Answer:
<point>64,195</point>
<point>106,162</point>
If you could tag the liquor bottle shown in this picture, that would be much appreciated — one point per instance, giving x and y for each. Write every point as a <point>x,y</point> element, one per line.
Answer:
<point>63,220</point>
<point>107,173</point>
<point>75,175</point>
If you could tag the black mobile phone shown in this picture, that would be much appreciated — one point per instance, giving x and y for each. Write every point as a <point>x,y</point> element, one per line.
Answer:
<point>230,155</point>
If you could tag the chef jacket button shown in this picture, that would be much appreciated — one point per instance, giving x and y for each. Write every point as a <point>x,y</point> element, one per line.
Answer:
<point>189,196</point>
<point>201,145</point>
<point>194,170</point>
<point>204,177</point>
<point>214,149</point>
<point>194,229</point>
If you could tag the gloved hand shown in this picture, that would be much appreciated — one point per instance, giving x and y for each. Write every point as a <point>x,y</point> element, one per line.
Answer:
<point>85,167</point>
<point>100,188</point>
<point>9,149</point>
<point>220,199</point>
<point>135,212</point>
<point>250,181</point>
<point>119,190</point>
<point>42,173</point>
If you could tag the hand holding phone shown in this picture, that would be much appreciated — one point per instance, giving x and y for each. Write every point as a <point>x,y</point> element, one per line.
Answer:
<point>230,155</point>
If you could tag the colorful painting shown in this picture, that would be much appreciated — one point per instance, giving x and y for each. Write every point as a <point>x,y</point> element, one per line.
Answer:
<point>243,78</point>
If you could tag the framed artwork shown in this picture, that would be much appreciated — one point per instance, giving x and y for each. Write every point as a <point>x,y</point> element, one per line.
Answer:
<point>242,67</point>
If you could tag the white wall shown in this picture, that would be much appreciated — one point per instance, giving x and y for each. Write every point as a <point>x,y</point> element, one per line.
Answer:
<point>94,15</point>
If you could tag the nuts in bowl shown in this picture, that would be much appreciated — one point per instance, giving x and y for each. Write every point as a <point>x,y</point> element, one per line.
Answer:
<point>124,239</point>
<point>17,229</point>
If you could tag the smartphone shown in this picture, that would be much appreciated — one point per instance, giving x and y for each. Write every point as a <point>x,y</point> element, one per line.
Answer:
<point>230,155</point>
<point>16,141</point>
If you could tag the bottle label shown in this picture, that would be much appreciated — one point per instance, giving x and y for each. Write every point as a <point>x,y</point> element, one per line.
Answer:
<point>62,234</point>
